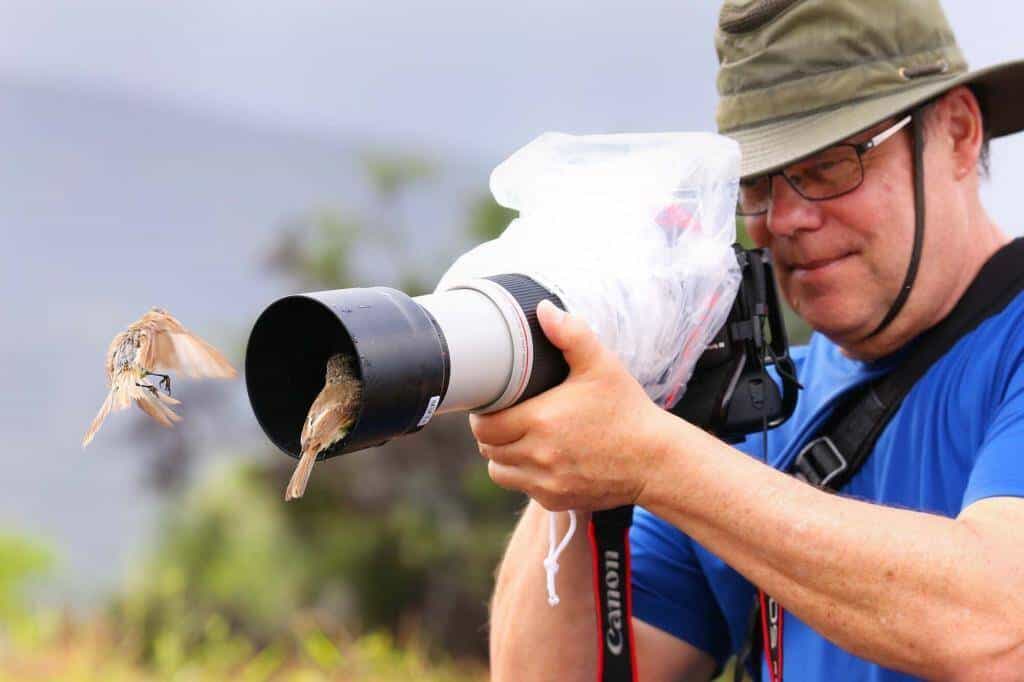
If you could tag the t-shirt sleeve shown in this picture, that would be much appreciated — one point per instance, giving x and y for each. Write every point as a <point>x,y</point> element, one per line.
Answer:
<point>670,590</point>
<point>999,467</point>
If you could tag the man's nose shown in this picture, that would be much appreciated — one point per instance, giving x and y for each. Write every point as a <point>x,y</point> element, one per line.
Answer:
<point>789,211</point>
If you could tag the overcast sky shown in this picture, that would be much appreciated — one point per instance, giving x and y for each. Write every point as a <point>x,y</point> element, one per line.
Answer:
<point>479,76</point>
<point>475,73</point>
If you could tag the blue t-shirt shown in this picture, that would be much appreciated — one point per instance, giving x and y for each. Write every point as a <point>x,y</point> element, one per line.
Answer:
<point>957,438</point>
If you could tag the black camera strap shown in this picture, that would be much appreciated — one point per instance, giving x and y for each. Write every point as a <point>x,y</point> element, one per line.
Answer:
<point>730,394</point>
<point>848,437</point>
<point>609,549</point>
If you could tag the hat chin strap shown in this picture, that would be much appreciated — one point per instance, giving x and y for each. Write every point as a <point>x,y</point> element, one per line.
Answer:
<point>915,254</point>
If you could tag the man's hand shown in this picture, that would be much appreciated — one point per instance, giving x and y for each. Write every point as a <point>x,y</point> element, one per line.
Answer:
<point>586,444</point>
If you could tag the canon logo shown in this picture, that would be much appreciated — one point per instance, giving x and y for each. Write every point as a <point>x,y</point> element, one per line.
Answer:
<point>613,599</point>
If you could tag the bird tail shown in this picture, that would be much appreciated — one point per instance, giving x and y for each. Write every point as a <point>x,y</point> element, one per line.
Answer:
<point>97,422</point>
<point>123,392</point>
<point>297,485</point>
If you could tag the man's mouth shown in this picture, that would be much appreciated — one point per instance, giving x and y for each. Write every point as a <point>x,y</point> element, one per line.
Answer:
<point>817,266</point>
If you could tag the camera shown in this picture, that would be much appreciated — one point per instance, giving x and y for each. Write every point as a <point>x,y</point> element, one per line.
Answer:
<point>477,346</point>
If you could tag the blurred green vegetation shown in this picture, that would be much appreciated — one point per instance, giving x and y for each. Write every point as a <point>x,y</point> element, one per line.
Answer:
<point>23,565</point>
<point>98,651</point>
<point>381,572</point>
<point>129,643</point>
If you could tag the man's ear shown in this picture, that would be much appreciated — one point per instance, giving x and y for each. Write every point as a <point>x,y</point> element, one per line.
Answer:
<point>962,121</point>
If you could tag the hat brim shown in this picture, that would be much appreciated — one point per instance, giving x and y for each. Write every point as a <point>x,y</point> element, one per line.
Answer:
<point>771,146</point>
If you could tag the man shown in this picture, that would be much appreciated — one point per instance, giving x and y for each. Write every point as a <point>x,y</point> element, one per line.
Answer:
<point>917,569</point>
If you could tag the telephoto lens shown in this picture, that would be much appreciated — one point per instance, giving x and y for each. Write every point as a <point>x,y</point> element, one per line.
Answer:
<point>631,233</point>
<point>475,346</point>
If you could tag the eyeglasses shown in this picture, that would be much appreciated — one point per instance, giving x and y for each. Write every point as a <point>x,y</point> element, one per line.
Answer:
<point>828,174</point>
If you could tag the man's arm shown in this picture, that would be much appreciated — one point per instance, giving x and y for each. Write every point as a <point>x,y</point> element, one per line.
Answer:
<point>530,640</point>
<point>933,596</point>
<point>662,657</point>
<point>936,597</point>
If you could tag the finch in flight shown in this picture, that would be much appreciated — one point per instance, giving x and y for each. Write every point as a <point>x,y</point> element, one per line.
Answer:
<point>329,420</point>
<point>156,341</point>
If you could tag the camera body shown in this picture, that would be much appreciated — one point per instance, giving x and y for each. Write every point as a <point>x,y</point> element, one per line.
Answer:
<point>730,393</point>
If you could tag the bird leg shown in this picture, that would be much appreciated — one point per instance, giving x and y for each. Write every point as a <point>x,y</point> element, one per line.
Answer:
<point>165,380</point>
<point>148,387</point>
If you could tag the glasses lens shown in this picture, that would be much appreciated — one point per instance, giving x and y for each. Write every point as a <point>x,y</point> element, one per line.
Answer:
<point>835,171</point>
<point>754,196</point>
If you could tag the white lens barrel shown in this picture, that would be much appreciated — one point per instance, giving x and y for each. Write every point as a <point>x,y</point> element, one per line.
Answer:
<point>490,347</point>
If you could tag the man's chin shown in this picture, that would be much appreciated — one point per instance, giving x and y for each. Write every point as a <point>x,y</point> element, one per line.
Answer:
<point>833,321</point>
<point>841,336</point>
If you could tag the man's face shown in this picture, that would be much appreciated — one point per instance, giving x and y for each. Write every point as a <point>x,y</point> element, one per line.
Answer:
<point>840,262</point>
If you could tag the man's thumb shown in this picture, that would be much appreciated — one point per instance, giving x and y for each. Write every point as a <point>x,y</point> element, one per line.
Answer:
<point>568,333</point>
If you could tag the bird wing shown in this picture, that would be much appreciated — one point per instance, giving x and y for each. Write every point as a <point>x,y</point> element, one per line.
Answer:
<point>324,421</point>
<point>173,347</point>
<point>327,423</point>
<point>329,420</point>
<point>197,358</point>
<point>162,353</point>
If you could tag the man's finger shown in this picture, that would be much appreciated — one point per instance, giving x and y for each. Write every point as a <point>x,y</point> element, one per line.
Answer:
<point>497,428</point>
<point>570,334</point>
<point>509,477</point>
<point>509,455</point>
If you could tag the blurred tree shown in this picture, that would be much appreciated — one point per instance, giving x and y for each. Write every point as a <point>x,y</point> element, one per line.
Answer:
<point>487,218</point>
<point>316,250</point>
<point>172,454</point>
<point>391,173</point>
<point>324,250</point>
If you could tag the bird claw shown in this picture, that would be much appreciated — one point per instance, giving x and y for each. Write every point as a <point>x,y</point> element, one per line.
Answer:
<point>165,381</point>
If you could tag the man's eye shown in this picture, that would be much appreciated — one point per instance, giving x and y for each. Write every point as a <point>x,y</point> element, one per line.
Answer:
<point>838,166</point>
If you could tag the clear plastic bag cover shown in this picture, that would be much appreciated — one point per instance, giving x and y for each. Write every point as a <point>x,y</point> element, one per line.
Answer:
<point>633,232</point>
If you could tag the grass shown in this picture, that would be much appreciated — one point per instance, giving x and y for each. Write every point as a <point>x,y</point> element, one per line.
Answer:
<point>57,648</point>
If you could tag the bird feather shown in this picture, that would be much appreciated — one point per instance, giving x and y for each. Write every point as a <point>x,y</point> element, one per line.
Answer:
<point>173,347</point>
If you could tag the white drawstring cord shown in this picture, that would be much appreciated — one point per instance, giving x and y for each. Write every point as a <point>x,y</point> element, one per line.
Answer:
<point>551,561</point>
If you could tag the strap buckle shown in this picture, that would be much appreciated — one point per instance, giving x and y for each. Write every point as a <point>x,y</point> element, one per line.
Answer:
<point>819,462</point>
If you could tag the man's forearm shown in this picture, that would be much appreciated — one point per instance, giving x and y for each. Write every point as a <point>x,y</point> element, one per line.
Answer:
<point>529,639</point>
<point>903,588</point>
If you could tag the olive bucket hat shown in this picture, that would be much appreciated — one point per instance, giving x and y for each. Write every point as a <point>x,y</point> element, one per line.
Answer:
<point>797,76</point>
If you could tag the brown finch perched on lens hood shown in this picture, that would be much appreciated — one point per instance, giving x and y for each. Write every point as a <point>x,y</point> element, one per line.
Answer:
<point>329,420</point>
